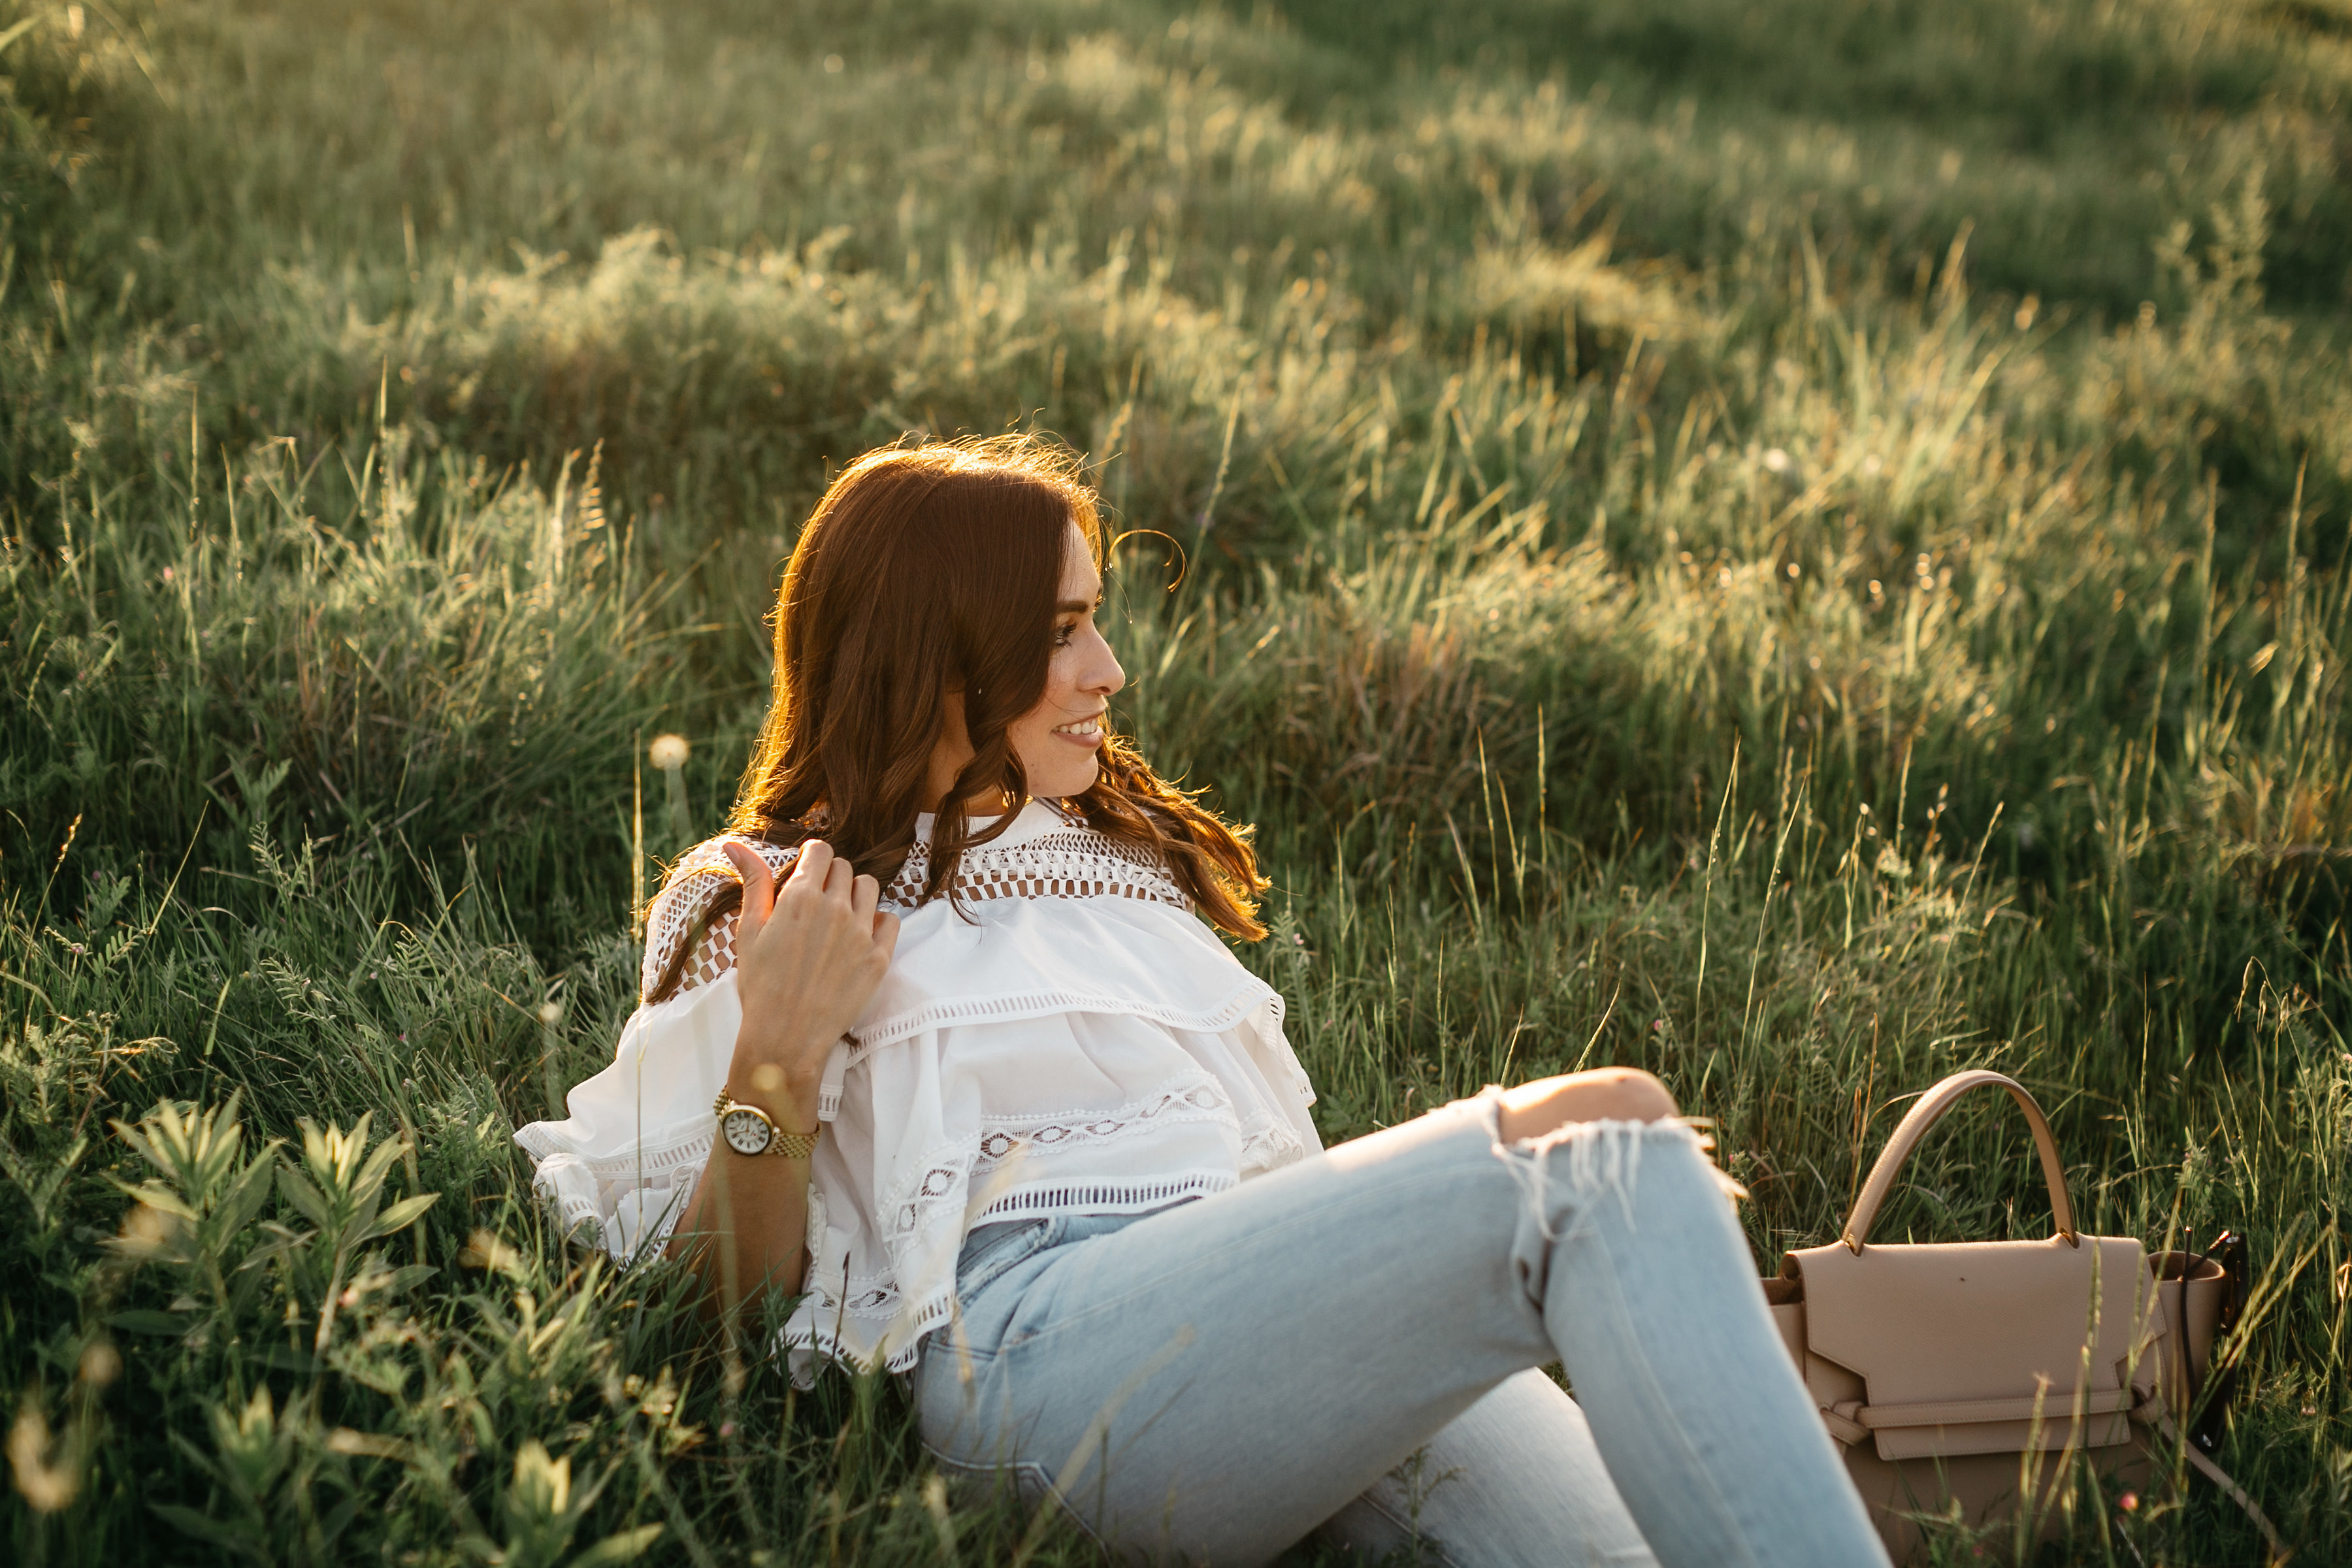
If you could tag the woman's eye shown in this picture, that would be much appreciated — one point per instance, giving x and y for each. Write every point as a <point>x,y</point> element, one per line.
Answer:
<point>1062,636</point>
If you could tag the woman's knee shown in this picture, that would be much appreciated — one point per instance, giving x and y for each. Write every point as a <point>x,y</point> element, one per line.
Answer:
<point>1616,1093</point>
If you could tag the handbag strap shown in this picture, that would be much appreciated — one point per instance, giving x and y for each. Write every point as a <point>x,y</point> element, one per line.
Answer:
<point>1924,1115</point>
<point>2152,1412</point>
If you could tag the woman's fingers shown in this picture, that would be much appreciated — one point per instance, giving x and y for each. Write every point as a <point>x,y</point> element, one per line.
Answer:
<point>825,945</point>
<point>758,889</point>
<point>841,882</point>
<point>816,862</point>
<point>823,897</point>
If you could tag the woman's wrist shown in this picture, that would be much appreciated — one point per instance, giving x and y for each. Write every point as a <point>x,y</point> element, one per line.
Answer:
<point>787,1093</point>
<point>791,1109</point>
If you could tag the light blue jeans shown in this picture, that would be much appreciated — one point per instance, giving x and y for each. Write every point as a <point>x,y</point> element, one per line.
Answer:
<point>1348,1343</point>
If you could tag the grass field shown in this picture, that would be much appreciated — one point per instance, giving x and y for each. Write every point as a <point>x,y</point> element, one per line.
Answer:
<point>1800,544</point>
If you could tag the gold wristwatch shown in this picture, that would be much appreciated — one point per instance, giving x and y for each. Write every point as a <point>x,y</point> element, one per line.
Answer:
<point>748,1129</point>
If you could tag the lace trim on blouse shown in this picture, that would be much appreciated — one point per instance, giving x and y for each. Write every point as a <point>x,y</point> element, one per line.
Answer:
<point>909,1207</point>
<point>699,877</point>
<point>1075,863</point>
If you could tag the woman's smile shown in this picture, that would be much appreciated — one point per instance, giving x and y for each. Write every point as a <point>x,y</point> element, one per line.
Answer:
<point>1086,731</point>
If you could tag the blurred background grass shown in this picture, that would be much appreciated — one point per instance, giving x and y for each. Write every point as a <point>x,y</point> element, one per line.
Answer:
<point>1798,545</point>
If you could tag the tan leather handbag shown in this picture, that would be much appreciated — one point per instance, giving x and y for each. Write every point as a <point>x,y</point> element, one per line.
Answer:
<point>1976,1373</point>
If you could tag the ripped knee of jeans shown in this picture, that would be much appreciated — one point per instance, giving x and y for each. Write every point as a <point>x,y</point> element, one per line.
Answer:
<point>1580,1163</point>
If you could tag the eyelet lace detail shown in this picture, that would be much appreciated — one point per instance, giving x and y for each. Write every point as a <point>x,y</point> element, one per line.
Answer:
<point>699,877</point>
<point>1194,1098</point>
<point>868,1296</point>
<point>913,1206</point>
<point>1076,862</point>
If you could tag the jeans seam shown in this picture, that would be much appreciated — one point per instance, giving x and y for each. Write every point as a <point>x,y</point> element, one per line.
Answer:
<point>1002,1255</point>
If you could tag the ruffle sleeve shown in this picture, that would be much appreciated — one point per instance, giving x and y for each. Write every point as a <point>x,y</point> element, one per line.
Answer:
<point>621,1165</point>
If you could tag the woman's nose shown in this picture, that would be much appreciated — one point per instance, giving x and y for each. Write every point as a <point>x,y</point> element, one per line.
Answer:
<point>1103,673</point>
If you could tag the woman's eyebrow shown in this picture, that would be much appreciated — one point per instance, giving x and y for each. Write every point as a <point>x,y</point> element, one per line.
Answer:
<point>1078,606</point>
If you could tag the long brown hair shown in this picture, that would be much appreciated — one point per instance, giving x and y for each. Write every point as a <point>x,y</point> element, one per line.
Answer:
<point>925,570</point>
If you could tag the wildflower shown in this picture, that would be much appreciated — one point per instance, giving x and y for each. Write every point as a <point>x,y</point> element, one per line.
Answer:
<point>667,753</point>
<point>100,1363</point>
<point>485,1249</point>
<point>2128,1502</point>
<point>551,1013</point>
<point>46,1488</point>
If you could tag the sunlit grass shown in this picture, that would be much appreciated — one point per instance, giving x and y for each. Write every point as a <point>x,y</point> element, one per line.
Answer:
<point>1797,567</point>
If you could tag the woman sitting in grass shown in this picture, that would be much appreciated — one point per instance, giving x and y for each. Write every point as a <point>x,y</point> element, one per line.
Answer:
<point>939,1037</point>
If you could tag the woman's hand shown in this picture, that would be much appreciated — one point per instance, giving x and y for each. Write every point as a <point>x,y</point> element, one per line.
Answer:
<point>808,957</point>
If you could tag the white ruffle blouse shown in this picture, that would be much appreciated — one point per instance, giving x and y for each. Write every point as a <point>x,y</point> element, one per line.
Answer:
<point>1072,1040</point>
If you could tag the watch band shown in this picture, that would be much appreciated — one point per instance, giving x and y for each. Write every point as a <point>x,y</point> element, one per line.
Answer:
<point>773,1140</point>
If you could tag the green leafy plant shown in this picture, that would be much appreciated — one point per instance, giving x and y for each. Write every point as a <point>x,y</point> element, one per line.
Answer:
<point>338,1188</point>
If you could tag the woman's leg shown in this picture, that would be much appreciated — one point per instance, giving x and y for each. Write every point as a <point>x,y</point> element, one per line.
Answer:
<point>1216,1380</point>
<point>1512,1482</point>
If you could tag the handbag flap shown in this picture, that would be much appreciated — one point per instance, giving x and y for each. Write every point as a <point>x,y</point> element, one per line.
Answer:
<point>1979,1347</point>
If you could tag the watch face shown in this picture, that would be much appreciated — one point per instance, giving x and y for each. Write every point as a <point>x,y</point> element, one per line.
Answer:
<point>746,1132</point>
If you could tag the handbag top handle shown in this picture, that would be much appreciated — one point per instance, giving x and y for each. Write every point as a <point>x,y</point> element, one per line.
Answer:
<point>1914,1127</point>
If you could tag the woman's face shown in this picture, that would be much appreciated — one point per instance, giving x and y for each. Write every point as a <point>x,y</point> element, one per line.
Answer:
<point>1058,739</point>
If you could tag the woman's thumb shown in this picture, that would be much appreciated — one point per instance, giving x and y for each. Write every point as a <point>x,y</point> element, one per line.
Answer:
<point>758,886</point>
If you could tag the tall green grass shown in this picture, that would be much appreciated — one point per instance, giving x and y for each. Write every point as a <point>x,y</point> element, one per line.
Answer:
<point>1797,546</point>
